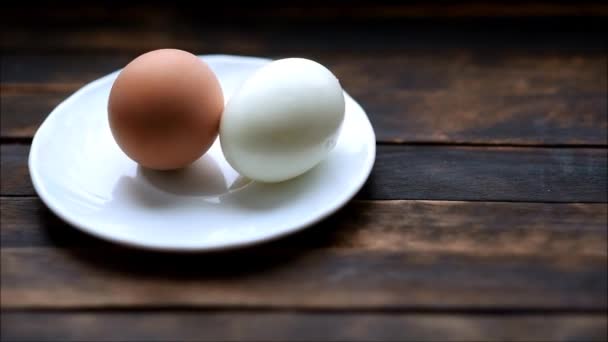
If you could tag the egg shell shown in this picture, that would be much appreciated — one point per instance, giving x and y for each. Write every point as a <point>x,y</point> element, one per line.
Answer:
<point>283,120</point>
<point>164,109</point>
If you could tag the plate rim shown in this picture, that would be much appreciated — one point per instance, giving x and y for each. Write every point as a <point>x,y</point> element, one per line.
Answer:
<point>45,197</point>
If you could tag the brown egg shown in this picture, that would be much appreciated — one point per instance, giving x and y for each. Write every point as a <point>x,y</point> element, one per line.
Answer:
<point>164,109</point>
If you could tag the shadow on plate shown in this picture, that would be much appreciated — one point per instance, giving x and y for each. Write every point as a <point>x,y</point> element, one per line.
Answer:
<point>203,184</point>
<point>204,177</point>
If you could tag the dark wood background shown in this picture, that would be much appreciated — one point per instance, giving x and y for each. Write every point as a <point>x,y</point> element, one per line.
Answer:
<point>485,216</point>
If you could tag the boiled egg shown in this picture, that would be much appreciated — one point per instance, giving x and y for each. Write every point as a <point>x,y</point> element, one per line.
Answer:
<point>283,120</point>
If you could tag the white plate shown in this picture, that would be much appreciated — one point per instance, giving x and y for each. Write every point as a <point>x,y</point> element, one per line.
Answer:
<point>82,176</point>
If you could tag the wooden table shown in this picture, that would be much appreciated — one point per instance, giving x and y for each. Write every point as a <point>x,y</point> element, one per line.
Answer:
<point>484,218</point>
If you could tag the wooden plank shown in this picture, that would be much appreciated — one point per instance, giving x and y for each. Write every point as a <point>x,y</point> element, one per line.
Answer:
<point>161,13</point>
<point>14,173</point>
<point>292,29</point>
<point>451,97</point>
<point>23,113</point>
<point>441,173</point>
<point>493,173</point>
<point>296,326</point>
<point>44,68</point>
<point>288,278</point>
<point>464,228</point>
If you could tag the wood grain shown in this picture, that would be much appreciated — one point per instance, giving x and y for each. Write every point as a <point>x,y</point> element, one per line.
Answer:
<point>295,326</point>
<point>327,278</point>
<point>441,173</point>
<point>492,173</point>
<point>453,97</point>
<point>14,173</point>
<point>23,113</point>
<point>464,228</point>
<point>308,11</point>
<point>293,29</point>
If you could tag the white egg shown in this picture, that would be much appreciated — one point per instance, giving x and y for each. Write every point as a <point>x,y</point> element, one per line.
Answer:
<point>283,120</point>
